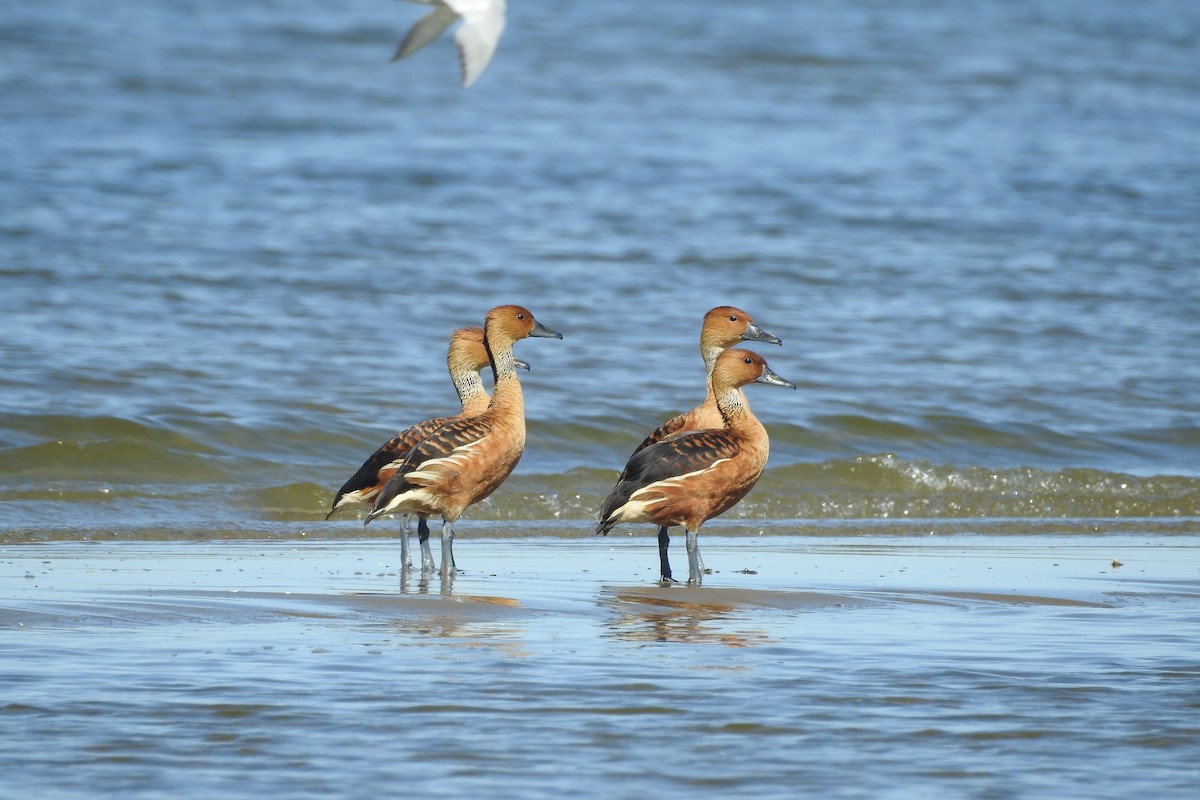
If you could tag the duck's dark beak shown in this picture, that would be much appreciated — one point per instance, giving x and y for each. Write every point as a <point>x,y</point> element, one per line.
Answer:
<point>542,331</point>
<point>756,334</point>
<point>770,378</point>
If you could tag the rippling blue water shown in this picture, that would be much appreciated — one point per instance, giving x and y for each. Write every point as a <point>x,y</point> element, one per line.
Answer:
<point>234,240</point>
<point>901,670</point>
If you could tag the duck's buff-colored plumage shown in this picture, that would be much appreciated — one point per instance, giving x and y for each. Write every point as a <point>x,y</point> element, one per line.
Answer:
<point>465,460</point>
<point>723,327</point>
<point>664,477</point>
<point>690,477</point>
<point>466,357</point>
<point>693,476</point>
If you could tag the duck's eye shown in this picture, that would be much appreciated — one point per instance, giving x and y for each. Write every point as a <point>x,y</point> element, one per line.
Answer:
<point>733,318</point>
<point>747,360</point>
<point>520,316</point>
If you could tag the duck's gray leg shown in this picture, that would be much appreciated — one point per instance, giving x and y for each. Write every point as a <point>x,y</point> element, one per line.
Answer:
<point>405,559</point>
<point>447,548</point>
<point>695,565</point>
<point>664,563</point>
<point>427,564</point>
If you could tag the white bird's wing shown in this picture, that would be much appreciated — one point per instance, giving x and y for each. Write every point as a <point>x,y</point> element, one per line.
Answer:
<point>425,30</point>
<point>477,37</point>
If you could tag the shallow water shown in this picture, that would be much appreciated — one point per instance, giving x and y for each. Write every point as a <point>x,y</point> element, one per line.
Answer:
<point>969,666</point>
<point>234,240</point>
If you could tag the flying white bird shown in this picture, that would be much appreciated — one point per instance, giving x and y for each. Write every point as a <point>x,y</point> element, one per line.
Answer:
<point>477,37</point>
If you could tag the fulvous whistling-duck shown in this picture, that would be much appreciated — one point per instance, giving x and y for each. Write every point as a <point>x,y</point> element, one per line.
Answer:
<point>465,460</point>
<point>692,476</point>
<point>466,357</point>
<point>723,326</point>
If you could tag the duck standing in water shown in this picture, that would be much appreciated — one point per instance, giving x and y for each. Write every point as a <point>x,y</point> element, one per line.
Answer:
<point>722,327</point>
<point>466,358</point>
<point>687,478</point>
<point>465,460</point>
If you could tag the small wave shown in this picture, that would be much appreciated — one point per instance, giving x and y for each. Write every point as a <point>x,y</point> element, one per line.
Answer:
<point>882,487</point>
<point>180,472</point>
<point>886,486</point>
<point>293,502</point>
<point>104,449</point>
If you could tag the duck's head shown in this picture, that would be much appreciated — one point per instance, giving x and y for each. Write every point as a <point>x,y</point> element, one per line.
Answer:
<point>725,326</point>
<point>513,323</point>
<point>736,368</point>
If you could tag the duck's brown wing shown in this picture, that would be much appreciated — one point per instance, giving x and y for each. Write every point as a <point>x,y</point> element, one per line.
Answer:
<point>436,456</point>
<point>672,426</point>
<point>677,455</point>
<point>377,469</point>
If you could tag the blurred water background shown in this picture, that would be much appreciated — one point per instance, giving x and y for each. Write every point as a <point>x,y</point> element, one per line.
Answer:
<point>234,240</point>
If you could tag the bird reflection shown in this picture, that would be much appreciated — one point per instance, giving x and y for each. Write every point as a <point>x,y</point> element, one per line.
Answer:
<point>655,616</point>
<point>419,581</point>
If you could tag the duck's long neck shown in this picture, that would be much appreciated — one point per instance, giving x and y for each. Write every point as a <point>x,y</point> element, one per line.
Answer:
<point>731,402</point>
<point>709,353</point>
<point>741,422</point>
<point>506,392</point>
<point>471,391</point>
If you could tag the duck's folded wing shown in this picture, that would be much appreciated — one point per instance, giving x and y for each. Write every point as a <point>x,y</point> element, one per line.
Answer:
<point>672,426</point>
<point>438,457</point>
<point>384,461</point>
<point>671,459</point>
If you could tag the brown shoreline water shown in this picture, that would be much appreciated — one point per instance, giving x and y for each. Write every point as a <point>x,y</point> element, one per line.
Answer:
<point>886,667</point>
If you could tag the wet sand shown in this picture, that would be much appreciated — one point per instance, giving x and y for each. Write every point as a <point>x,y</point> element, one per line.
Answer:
<point>899,667</point>
<point>107,584</point>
